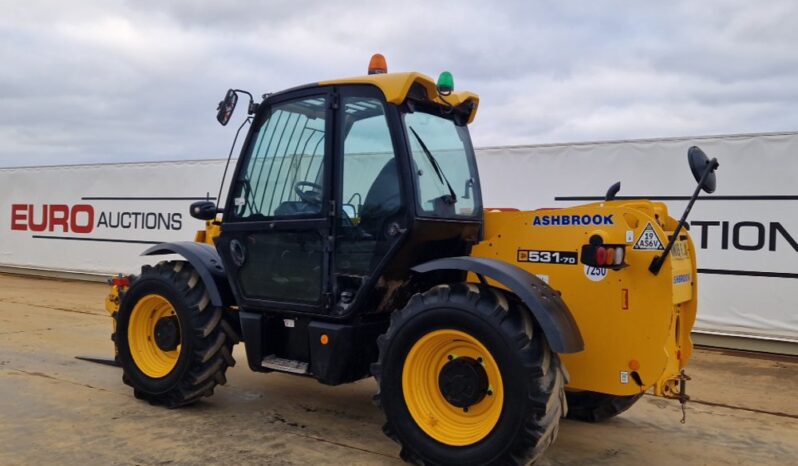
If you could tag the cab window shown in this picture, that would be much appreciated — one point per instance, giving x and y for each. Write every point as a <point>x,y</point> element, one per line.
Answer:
<point>284,175</point>
<point>444,169</point>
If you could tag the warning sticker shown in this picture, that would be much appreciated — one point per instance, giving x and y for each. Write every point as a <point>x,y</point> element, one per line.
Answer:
<point>648,240</point>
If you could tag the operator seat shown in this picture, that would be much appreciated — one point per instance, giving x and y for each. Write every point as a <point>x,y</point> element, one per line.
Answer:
<point>382,201</point>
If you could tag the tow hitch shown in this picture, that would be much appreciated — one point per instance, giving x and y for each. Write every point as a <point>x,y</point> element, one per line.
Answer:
<point>683,397</point>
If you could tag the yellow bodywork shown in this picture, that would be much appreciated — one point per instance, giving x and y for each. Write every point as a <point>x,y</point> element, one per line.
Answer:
<point>112,302</point>
<point>112,306</point>
<point>630,319</point>
<point>213,228</point>
<point>395,87</point>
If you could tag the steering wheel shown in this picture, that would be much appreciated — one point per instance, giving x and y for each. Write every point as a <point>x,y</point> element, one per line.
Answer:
<point>312,196</point>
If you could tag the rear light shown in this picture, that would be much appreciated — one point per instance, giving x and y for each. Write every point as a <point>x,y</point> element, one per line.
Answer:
<point>604,255</point>
<point>601,256</point>
<point>610,256</point>
<point>121,281</point>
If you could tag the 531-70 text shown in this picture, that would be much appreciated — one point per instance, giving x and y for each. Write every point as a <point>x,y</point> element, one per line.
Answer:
<point>548,257</point>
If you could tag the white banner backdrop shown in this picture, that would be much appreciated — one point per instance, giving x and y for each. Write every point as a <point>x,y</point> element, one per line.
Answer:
<point>99,218</point>
<point>746,233</point>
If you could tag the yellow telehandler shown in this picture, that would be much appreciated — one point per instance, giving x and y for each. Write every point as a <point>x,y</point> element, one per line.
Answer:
<point>353,243</point>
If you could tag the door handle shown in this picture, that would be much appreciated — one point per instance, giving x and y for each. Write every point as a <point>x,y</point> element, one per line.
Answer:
<point>395,229</point>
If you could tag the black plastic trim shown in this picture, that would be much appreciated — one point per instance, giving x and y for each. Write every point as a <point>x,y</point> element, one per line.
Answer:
<point>547,307</point>
<point>206,261</point>
<point>252,332</point>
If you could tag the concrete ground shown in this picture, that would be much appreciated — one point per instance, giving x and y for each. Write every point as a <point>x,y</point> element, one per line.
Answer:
<point>56,409</point>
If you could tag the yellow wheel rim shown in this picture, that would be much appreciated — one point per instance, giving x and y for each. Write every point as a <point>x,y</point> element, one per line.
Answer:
<point>149,358</point>
<point>441,420</point>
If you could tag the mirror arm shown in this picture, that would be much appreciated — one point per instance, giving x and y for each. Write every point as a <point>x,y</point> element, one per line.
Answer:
<point>612,192</point>
<point>658,261</point>
<point>252,107</point>
<point>227,165</point>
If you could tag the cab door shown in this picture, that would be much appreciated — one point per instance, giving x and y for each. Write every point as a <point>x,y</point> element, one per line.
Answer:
<point>371,214</point>
<point>275,241</point>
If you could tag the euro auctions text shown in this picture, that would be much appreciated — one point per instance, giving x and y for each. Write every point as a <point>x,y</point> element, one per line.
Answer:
<point>84,219</point>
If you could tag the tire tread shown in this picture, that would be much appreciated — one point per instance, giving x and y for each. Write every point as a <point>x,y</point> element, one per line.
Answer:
<point>547,402</point>
<point>213,338</point>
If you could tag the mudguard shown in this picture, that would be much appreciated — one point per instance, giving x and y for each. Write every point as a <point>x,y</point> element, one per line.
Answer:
<point>547,307</point>
<point>206,261</point>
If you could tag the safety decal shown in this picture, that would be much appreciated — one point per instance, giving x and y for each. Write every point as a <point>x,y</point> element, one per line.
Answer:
<point>682,278</point>
<point>679,250</point>
<point>624,377</point>
<point>648,240</point>
<point>548,257</point>
<point>595,274</point>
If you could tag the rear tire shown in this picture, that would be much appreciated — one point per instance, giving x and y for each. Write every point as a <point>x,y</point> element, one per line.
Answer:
<point>597,407</point>
<point>516,418</point>
<point>173,344</point>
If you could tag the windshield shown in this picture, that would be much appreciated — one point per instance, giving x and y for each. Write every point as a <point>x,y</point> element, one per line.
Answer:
<point>445,172</point>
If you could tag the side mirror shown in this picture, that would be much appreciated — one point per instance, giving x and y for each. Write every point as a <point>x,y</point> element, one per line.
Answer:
<point>226,107</point>
<point>349,210</point>
<point>704,172</point>
<point>698,165</point>
<point>204,210</point>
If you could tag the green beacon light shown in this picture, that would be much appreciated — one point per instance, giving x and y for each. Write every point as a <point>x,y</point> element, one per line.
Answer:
<point>445,83</point>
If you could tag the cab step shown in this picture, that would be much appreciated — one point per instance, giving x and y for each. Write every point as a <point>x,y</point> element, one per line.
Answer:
<point>277,363</point>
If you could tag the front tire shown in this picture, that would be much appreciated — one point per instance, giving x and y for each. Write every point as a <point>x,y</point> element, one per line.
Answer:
<point>173,344</point>
<point>467,377</point>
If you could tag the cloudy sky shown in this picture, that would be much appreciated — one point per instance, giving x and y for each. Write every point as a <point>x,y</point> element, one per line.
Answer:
<point>111,81</point>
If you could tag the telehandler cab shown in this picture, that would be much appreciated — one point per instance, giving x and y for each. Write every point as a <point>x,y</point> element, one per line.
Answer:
<point>353,242</point>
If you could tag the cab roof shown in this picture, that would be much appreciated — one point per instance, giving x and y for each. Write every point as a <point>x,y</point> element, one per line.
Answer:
<point>396,87</point>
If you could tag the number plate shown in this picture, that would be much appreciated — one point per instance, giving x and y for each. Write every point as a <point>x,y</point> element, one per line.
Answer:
<point>547,257</point>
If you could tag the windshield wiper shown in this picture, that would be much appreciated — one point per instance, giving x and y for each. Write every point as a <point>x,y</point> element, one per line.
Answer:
<point>435,166</point>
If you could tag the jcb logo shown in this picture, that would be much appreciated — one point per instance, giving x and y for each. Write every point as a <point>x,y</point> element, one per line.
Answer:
<point>78,218</point>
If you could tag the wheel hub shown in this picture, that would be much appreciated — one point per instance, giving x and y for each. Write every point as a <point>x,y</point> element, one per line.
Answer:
<point>463,382</point>
<point>445,388</point>
<point>167,333</point>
